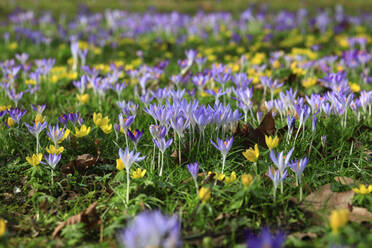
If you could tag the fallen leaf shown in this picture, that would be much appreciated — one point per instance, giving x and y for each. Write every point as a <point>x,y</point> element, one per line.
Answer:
<point>344,180</point>
<point>257,136</point>
<point>89,217</point>
<point>190,178</point>
<point>360,214</point>
<point>321,202</point>
<point>81,164</point>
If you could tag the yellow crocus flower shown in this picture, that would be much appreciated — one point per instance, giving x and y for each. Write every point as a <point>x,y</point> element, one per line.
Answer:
<point>338,219</point>
<point>106,128</point>
<point>53,150</point>
<point>35,159</point>
<point>67,133</point>
<point>119,164</point>
<point>252,155</point>
<point>204,194</point>
<point>84,131</point>
<point>83,98</point>
<point>2,227</point>
<point>271,142</point>
<point>363,189</point>
<point>10,122</point>
<point>139,173</point>
<point>247,180</point>
<point>231,178</point>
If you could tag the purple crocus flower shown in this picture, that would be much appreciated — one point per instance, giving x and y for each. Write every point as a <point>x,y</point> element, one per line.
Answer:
<point>74,117</point>
<point>179,124</point>
<point>151,229</point>
<point>135,136</point>
<point>299,166</point>
<point>193,169</point>
<point>55,133</point>
<point>16,114</point>
<point>63,119</point>
<point>277,177</point>
<point>39,109</point>
<point>223,146</point>
<point>125,122</point>
<point>162,144</point>
<point>158,132</point>
<point>37,128</point>
<point>52,159</point>
<point>279,161</point>
<point>265,240</point>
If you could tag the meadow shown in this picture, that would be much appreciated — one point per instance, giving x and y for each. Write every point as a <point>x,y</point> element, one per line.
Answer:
<point>220,127</point>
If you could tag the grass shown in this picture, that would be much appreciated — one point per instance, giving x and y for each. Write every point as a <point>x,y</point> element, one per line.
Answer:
<point>33,205</point>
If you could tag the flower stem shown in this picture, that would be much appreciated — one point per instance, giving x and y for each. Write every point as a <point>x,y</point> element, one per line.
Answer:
<point>162,164</point>
<point>223,163</point>
<point>179,149</point>
<point>127,187</point>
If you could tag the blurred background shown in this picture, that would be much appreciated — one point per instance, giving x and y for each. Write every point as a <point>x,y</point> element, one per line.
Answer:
<point>187,6</point>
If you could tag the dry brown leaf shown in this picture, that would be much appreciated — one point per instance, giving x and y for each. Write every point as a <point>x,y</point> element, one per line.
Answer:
<point>324,200</point>
<point>81,164</point>
<point>344,180</point>
<point>89,217</point>
<point>190,178</point>
<point>257,136</point>
<point>360,215</point>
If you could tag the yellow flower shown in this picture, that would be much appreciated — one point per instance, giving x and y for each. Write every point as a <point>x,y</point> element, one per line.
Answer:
<point>83,98</point>
<point>231,178</point>
<point>99,121</point>
<point>106,128</point>
<point>35,159</point>
<point>247,180</point>
<point>3,107</point>
<point>30,82</point>
<point>276,64</point>
<point>311,81</point>
<point>84,131</point>
<point>219,177</point>
<point>363,189</point>
<point>271,142</point>
<point>119,164</point>
<point>2,227</point>
<point>39,118</point>
<point>252,155</point>
<point>10,122</point>
<point>354,87</point>
<point>53,150</point>
<point>338,219</point>
<point>13,46</point>
<point>204,194</point>
<point>67,133</point>
<point>139,173</point>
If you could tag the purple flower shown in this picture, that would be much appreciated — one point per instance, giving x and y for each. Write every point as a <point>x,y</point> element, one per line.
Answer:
<point>158,132</point>
<point>279,160</point>
<point>126,122</point>
<point>129,157</point>
<point>265,240</point>
<point>52,159</point>
<point>179,124</point>
<point>38,108</point>
<point>223,146</point>
<point>37,128</point>
<point>16,114</point>
<point>135,136</point>
<point>193,169</point>
<point>55,133</point>
<point>63,119</point>
<point>299,166</point>
<point>276,177</point>
<point>151,229</point>
<point>162,144</point>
